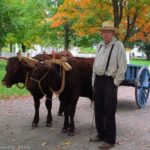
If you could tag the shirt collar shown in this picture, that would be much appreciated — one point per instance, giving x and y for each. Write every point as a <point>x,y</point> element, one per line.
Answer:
<point>110,43</point>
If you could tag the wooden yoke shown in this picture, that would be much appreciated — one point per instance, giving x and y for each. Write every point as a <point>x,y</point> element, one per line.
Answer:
<point>62,62</point>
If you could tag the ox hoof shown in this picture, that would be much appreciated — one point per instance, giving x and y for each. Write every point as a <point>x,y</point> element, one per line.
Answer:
<point>71,134</point>
<point>64,131</point>
<point>48,124</point>
<point>34,125</point>
<point>60,113</point>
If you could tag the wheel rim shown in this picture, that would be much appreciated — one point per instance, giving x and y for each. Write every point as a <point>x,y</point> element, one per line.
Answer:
<point>142,87</point>
<point>142,96</point>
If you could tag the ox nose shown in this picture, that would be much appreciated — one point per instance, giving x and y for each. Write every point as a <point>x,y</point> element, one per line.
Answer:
<point>3,82</point>
<point>7,84</point>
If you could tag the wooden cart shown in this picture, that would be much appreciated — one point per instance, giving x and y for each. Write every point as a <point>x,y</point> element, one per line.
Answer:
<point>139,77</point>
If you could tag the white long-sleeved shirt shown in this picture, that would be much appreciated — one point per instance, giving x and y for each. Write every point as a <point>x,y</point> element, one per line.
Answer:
<point>117,65</point>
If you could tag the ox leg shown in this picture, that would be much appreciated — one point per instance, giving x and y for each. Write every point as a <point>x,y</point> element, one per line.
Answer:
<point>60,110</point>
<point>66,122</point>
<point>65,107</point>
<point>72,109</point>
<point>36,115</point>
<point>48,104</point>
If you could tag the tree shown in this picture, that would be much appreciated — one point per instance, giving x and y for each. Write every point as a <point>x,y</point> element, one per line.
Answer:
<point>82,26</point>
<point>87,15</point>
<point>142,38</point>
<point>6,22</point>
<point>23,22</point>
<point>145,47</point>
<point>29,22</point>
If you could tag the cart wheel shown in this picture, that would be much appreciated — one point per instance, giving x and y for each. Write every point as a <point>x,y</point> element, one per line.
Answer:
<point>142,88</point>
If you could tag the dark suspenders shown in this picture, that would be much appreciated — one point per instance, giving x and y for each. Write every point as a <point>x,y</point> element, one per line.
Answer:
<point>99,48</point>
<point>108,56</point>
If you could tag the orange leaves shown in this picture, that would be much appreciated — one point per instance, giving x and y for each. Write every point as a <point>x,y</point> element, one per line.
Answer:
<point>66,12</point>
<point>58,20</point>
<point>62,15</point>
<point>57,23</point>
<point>144,33</point>
<point>85,16</point>
<point>142,23</point>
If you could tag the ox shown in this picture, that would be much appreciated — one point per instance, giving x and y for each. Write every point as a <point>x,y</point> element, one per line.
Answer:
<point>18,70</point>
<point>77,82</point>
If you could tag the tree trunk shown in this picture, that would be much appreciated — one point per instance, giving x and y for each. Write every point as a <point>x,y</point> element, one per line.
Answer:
<point>67,36</point>
<point>11,47</point>
<point>148,56</point>
<point>118,12</point>
<point>23,47</point>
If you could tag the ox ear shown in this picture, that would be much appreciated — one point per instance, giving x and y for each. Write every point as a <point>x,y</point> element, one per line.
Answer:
<point>30,61</point>
<point>66,66</point>
<point>4,58</point>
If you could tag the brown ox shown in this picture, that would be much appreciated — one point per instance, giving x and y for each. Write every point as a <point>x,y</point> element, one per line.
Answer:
<point>77,83</point>
<point>18,71</point>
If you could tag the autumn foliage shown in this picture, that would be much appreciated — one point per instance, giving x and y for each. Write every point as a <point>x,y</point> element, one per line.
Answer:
<point>85,17</point>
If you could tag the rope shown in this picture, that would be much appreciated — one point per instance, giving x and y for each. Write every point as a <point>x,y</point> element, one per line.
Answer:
<point>53,91</point>
<point>26,80</point>
<point>51,99</point>
<point>62,84</point>
<point>38,82</point>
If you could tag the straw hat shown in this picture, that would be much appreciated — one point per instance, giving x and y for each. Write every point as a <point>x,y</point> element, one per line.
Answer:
<point>108,25</point>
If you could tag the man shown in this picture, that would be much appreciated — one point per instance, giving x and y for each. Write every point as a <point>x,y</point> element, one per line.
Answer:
<point>108,72</point>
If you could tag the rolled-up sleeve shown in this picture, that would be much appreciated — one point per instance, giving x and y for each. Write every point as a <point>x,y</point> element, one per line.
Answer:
<point>94,72</point>
<point>122,66</point>
<point>93,77</point>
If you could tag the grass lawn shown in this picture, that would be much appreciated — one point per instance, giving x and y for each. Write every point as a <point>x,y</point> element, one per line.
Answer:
<point>9,92</point>
<point>87,50</point>
<point>141,62</point>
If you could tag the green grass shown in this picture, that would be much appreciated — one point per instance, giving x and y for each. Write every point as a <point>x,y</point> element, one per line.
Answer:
<point>87,50</point>
<point>140,61</point>
<point>9,92</point>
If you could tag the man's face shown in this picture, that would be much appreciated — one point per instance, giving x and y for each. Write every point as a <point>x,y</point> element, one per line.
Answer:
<point>107,35</point>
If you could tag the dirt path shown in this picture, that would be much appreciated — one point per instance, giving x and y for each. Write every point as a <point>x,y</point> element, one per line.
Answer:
<point>133,125</point>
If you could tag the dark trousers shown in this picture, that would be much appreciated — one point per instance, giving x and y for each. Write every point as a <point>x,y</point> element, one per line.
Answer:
<point>105,102</point>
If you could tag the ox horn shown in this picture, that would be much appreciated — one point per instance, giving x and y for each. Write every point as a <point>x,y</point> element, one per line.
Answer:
<point>30,61</point>
<point>4,58</point>
<point>63,62</point>
<point>28,54</point>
